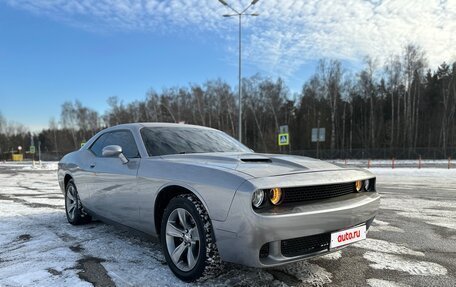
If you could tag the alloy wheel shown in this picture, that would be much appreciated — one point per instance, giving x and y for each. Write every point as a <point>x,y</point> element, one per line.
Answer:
<point>71,202</point>
<point>182,239</point>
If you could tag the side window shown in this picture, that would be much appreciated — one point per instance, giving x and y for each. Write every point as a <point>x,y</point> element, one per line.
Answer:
<point>125,140</point>
<point>98,145</point>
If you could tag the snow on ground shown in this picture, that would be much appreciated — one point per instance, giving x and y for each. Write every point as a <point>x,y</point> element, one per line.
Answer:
<point>435,212</point>
<point>30,165</point>
<point>413,267</point>
<point>411,178</point>
<point>332,256</point>
<point>38,247</point>
<point>440,213</point>
<point>308,273</point>
<point>380,226</point>
<point>383,283</point>
<point>386,247</point>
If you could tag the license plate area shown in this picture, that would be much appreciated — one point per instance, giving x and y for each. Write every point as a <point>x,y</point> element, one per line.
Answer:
<point>347,236</point>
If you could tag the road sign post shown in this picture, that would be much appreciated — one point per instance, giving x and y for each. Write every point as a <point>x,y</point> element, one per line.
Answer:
<point>39,151</point>
<point>318,135</point>
<point>283,129</point>
<point>32,152</point>
<point>283,139</point>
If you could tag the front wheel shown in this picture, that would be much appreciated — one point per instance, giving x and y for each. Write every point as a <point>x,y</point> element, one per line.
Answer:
<point>187,239</point>
<point>73,207</point>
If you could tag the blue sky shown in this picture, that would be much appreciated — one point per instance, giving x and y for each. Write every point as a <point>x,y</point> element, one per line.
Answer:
<point>44,63</point>
<point>54,51</point>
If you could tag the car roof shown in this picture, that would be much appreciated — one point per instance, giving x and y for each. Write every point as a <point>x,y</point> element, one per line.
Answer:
<point>156,124</point>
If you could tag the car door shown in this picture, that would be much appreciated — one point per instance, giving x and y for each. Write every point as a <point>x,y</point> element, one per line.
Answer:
<point>85,179</point>
<point>114,184</point>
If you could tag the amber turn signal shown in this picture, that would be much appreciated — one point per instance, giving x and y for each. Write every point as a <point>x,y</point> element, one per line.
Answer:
<point>275,195</point>
<point>358,185</point>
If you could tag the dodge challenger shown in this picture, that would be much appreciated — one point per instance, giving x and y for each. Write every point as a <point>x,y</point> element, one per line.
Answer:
<point>208,198</point>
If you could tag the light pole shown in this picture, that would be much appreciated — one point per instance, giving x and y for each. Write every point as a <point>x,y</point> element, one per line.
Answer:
<point>239,15</point>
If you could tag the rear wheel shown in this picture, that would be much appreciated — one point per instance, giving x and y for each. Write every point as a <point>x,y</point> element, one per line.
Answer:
<point>74,212</point>
<point>187,239</point>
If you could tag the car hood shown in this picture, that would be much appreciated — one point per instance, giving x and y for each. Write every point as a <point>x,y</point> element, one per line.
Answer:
<point>254,164</point>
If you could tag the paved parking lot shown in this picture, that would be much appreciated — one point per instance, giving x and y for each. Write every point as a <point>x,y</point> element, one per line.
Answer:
<point>411,243</point>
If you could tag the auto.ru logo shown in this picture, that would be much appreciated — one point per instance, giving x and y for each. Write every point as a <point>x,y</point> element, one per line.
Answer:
<point>348,236</point>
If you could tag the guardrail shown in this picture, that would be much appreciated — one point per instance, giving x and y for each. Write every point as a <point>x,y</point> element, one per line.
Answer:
<point>393,163</point>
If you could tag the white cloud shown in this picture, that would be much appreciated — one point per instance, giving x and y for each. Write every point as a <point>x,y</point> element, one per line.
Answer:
<point>288,33</point>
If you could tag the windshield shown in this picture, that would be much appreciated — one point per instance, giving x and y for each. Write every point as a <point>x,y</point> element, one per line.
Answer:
<point>181,140</point>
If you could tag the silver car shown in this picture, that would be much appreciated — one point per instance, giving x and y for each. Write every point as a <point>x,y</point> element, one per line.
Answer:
<point>208,198</point>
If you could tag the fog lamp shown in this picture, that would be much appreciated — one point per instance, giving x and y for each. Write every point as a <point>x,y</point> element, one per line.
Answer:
<point>358,185</point>
<point>275,195</point>
<point>258,197</point>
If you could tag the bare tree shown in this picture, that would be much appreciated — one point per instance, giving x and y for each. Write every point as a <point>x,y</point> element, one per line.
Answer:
<point>414,63</point>
<point>393,70</point>
<point>330,74</point>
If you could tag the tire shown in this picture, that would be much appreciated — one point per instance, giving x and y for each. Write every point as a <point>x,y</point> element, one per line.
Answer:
<point>192,238</point>
<point>73,208</point>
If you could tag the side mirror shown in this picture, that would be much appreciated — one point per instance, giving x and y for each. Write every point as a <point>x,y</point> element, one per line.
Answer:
<point>112,151</point>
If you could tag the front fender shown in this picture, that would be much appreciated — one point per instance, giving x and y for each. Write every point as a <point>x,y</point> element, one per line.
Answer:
<point>214,187</point>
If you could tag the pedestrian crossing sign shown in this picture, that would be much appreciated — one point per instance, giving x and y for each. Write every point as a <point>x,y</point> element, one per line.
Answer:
<point>283,139</point>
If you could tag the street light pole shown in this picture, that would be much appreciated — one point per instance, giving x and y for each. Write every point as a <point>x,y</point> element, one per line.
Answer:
<point>239,15</point>
<point>240,79</point>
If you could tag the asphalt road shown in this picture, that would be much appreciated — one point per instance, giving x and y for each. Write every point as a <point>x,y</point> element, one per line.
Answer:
<point>411,243</point>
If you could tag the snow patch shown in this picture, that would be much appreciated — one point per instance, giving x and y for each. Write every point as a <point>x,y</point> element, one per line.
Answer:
<point>439,213</point>
<point>409,178</point>
<point>388,228</point>
<point>386,247</point>
<point>384,283</point>
<point>332,256</point>
<point>308,273</point>
<point>29,250</point>
<point>42,166</point>
<point>379,225</point>
<point>29,165</point>
<point>379,222</point>
<point>413,267</point>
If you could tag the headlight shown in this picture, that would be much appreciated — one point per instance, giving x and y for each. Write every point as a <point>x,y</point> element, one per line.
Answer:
<point>275,195</point>
<point>367,184</point>
<point>358,185</point>
<point>258,197</point>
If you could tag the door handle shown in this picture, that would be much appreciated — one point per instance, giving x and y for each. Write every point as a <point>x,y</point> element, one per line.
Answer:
<point>92,165</point>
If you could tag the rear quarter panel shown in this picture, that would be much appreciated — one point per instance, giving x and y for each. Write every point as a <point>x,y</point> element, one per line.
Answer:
<point>76,164</point>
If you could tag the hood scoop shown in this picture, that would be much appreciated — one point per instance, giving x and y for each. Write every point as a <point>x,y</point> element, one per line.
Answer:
<point>256,160</point>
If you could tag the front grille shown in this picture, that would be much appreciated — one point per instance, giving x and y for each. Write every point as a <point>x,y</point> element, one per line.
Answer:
<point>316,192</point>
<point>305,245</point>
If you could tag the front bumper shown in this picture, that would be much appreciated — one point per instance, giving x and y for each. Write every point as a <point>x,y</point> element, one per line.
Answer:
<point>241,237</point>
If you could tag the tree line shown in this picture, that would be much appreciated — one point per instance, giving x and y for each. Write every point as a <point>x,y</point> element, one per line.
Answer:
<point>398,104</point>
